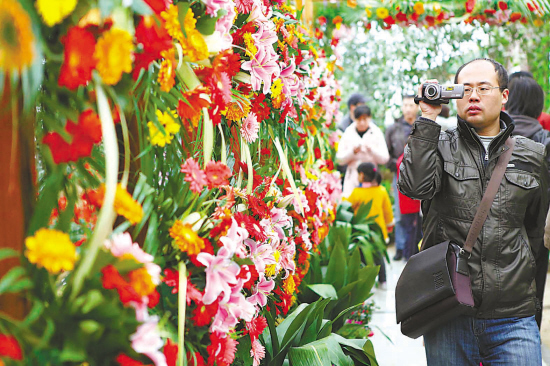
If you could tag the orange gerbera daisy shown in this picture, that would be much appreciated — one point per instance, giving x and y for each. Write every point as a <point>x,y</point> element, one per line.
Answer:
<point>16,37</point>
<point>167,73</point>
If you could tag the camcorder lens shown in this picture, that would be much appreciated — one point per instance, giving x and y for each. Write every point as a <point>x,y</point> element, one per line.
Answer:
<point>430,91</point>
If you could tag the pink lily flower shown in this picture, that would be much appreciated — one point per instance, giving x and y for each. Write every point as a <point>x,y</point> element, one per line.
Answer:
<point>146,340</point>
<point>261,290</point>
<point>230,312</point>
<point>266,35</point>
<point>234,239</point>
<point>261,255</point>
<point>287,248</point>
<point>221,272</point>
<point>262,66</point>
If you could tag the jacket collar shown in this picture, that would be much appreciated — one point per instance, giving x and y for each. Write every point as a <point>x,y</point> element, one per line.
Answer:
<point>506,123</point>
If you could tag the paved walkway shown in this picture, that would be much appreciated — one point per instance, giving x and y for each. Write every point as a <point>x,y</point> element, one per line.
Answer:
<point>401,350</point>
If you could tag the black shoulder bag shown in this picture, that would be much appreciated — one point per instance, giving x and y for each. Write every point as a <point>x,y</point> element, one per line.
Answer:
<point>434,286</point>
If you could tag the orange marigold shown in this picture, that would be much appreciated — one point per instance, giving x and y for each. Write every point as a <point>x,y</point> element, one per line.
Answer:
<point>167,73</point>
<point>236,111</point>
<point>141,281</point>
<point>172,23</point>
<point>113,53</point>
<point>124,204</point>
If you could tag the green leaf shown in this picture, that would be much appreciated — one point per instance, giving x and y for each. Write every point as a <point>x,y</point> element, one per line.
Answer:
<point>207,24</point>
<point>72,352</point>
<point>93,299</point>
<point>242,356</point>
<point>140,7</point>
<point>127,265</point>
<point>324,352</point>
<point>10,280</point>
<point>368,348</point>
<point>8,253</point>
<point>354,263</point>
<point>47,201</point>
<point>325,291</point>
<point>336,271</point>
<point>313,324</point>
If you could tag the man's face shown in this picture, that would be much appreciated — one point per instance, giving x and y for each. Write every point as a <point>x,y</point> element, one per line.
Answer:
<point>352,109</point>
<point>481,111</point>
<point>409,109</point>
<point>362,123</point>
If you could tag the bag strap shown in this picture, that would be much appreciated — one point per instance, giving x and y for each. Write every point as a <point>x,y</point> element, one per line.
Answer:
<point>488,197</point>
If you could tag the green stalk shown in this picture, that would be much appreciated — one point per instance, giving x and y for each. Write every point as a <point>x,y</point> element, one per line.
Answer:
<point>250,183</point>
<point>288,173</point>
<point>182,298</point>
<point>208,137</point>
<point>224,152</point>
<point>106,215</point>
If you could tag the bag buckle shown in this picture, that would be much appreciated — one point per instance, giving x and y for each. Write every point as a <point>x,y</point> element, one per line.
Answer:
<point>462,262</point>
<point>463,253</point>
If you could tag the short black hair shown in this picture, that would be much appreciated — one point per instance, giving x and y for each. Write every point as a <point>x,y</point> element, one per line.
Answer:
<point>369,171</point>
<point>518,74</point>
<point>355,99</point>
<point>502,74</point>
<point>445,110</point>
<point>408,96</point>
<point>526,97</point>
<point>362,110</point>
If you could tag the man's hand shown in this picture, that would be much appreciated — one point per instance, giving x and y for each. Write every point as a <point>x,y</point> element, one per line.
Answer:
<point>429,111</point>
<point>357,149</point>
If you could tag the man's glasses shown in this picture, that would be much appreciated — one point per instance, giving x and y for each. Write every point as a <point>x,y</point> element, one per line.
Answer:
<point>481,90</point>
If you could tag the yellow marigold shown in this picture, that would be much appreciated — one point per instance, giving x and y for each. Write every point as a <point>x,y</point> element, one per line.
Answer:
<point>171,127</point>
<point>51,249</point>
<point>290,29</point>
<point>141,281</point>
<point>271,269</point>
<point>113,53</point>
<point>382,13</point>
<point>538,22</point>
<point>172,23</point>
<point>236,111</point>
<point>251,48</point>
<point>369,12</point>
<point>287,9</point>
<point>189,23</point>
<point>16,37</point>
<point>289,285</point>
<point>352,3</point>
<point>437,8</point>
<point>167,73</point>
<point>276,88</point>
<point>126,206</point>
<point>418,8</point>
<point>195,46</point>
<point>300,35</point>
<point>186,239</point>
<point>54,11</point>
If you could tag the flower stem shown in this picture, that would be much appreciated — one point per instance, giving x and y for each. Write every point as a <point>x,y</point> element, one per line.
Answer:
<point>182,298</point>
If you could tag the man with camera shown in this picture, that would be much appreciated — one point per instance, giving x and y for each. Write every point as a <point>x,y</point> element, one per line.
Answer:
<point>450,172</point>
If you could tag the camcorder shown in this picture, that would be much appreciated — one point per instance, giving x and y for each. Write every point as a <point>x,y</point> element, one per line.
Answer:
<point>437,94</point>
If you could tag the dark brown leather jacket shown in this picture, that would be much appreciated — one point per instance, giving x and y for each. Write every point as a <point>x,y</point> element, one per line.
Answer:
<point>450,172</point>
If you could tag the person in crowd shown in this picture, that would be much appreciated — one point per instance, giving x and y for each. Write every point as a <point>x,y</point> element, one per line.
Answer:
<point>449,171</point>
<point>543,118</point>
<point>444,119</point>
<point>412,222</point>
<point>525,103</point>
<point>354,101</point>
<point>396,138</point>
<point>369,189</point>
<point>362,142</point>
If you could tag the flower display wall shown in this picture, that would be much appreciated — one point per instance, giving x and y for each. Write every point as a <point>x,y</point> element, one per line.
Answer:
<point>184,175</point>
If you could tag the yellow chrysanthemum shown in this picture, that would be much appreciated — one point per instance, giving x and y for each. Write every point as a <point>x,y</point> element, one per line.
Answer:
<point>113,53</point>
<point>54,11</point>
<point>195,46</point>
<point>167,73</point>
<point>251,48</point>
<point>289,285</point>
<point>418,8</point>
<point>51,249</point>
<point>236,111</point>
<point>287,9</point>
<point>352,3</point>
<point>172,23</point>
<point>299,35</point>
<point>141,281</point>
<point>276,88</point>
<point>382,13</point>
<point>16,37</point>
<point>538,22</point>
<point>126,206</point>
<point>369,12</point>
<point>186,239</point>
<point>437,8</point>
<point>189,23</point>
<point>171,127</point>
<point>271,269</point>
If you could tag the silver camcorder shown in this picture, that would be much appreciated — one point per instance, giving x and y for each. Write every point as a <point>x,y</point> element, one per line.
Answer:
<point>440,94</point>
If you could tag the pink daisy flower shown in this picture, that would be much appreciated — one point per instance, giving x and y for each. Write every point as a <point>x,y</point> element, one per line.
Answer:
<point>250,127</point>
<point>257,352</point>
<point>194,175</point>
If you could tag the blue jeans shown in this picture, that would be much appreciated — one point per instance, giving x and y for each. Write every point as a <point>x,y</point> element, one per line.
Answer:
<point>400,235</point>
<point>468,341</point>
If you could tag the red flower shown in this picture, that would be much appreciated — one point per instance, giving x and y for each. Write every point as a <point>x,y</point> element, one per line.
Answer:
<point>337,19</point>
<point>78,58</point>
<point>221,351</point>
<point>322,20</point>
<point>202,314</point>
<point>151,34</point>
<point>515,17</point>
<point>9,347</point>
<point>470,4</point>
<point>256,327</point>
<point>124,360</point>
<point>217,174</point>
<point>195,359</point>
<point>489,11</point>
<point>153,299</point>
<point>389,20</point>
<point>414,17</point>
<point>250,274</point>
<point>158,6</point>
<point>532,7</point>
<point>172,279</point>
<point>258,207</point>
<point>265,152</point>
<point>111,279</point>
<point>192,293</point>
<point>502,5</point>
<point>317,152</point>
<point>318,33</point>
<point>259,107</point>
<point>228,62</point>
<point>191,109</point>
<point>251,225</point>
<point>208,248</point>
<point>401,17</point>
<point>330,164</point>
<point>170,351</point>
